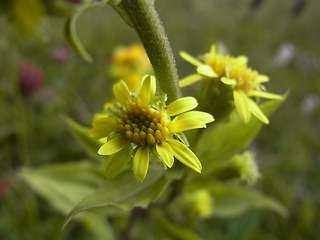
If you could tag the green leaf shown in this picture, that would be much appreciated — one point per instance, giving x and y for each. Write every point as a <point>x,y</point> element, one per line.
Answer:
<point>221,142</point>
<point>172,230</point>
<point>232,201</point>
<point>63,185</point>
<point>117,5</point>
<point>71,32</point>
<point>124,192</point>
<point>99,226</point>
<point>83,135</point>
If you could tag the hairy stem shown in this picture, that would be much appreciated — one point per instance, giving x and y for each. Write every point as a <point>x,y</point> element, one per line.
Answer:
<point>152,35</point>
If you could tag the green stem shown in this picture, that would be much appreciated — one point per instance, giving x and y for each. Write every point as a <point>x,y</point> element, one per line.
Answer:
<point>152,35</point>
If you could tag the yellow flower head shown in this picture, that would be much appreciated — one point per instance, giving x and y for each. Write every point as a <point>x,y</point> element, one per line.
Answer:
<point>247,83</point>
<point>130,64</point>
<point>203,203</point>
<point>234,72</point>
<point>142,122</point>
<point>217,62</point>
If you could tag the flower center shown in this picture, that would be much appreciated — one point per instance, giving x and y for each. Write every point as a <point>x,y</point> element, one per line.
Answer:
<point>245,78</point>
<point>218,63</point>
<point>144,125</point>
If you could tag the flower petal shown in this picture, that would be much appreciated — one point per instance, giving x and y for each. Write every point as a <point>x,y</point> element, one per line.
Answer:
<point>254,108</point>
<point>190,80</point>
<point>242,104</point>
<point>181,125</point>
<point>213,49</point>
<point>141,163</point>
<point>185,155</point>
<point>122,93</point>
<point>207,71</point>
<point>264,94</point>
<point>148,89</point>
<point>229,81</point>
<point>166,154</point>
<point>181,105</point>
<point>262,79</point>
<point>242,59</point>
<point>190,59</point>
<point>102,126</point>
<point>116,163</point>
<point>113,146</point>
<point>196,115</point>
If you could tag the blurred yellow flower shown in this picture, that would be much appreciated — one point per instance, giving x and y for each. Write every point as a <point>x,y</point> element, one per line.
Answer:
<point>203,203</point>
<point>141,120</point>
<point>130,64</point>
<point>27,14</point>
<point>234,72</point>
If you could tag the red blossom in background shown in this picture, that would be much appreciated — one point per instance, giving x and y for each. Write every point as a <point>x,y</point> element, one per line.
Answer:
<point>30,78</point>
<point>4,186</point>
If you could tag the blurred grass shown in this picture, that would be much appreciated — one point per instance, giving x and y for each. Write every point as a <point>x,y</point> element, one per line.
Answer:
<point>33,133</point>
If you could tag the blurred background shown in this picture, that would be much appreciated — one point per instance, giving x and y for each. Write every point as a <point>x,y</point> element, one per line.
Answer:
<point>43,79</point>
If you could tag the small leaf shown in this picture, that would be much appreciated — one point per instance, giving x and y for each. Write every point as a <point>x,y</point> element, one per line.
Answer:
<point>124,192</point>
<point>234,201</point>
<point>71,32</point>
<point>220,143</point>
<point>117,5</point>
<point>182,137</point>
<point>83,135</point>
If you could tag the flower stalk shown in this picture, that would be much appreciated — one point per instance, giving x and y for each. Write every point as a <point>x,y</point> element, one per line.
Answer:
<point>152,35</point>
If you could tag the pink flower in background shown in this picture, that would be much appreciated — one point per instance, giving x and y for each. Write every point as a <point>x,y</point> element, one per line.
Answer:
<point>30,78</point>
<point>4,186</point>
<point>61,54</point>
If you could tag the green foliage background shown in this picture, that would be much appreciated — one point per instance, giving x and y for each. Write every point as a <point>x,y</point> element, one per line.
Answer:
<point>33,133</point>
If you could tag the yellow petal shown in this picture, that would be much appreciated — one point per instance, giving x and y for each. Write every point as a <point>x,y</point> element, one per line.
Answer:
<point>190,80</point>
<point>141,163</point>
<point>122,93</point>
<point>181,105</point>
<point>102,119</point>
<point>242,60</point>
<point>213,49</point>
<point>229,81</point>
<point>254,108</point>
<point>113,146</point>
<point>102,126</point>
<point>181,125</point>
<point>207,71</point>
<point>242,104</point>
<point>185,155</point>
<point>148,89</point>
<point>263,94</point>
<point>190,59</point>
<point>166,154</point>
<point>116,163</point>
<point>262,79</point>
<point>197,116</point>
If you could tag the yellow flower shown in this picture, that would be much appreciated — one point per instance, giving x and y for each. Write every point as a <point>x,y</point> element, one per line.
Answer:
<point>130,64</point>
<point>142,122</point>
<point>203,203</point>
<point>244,81</point>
